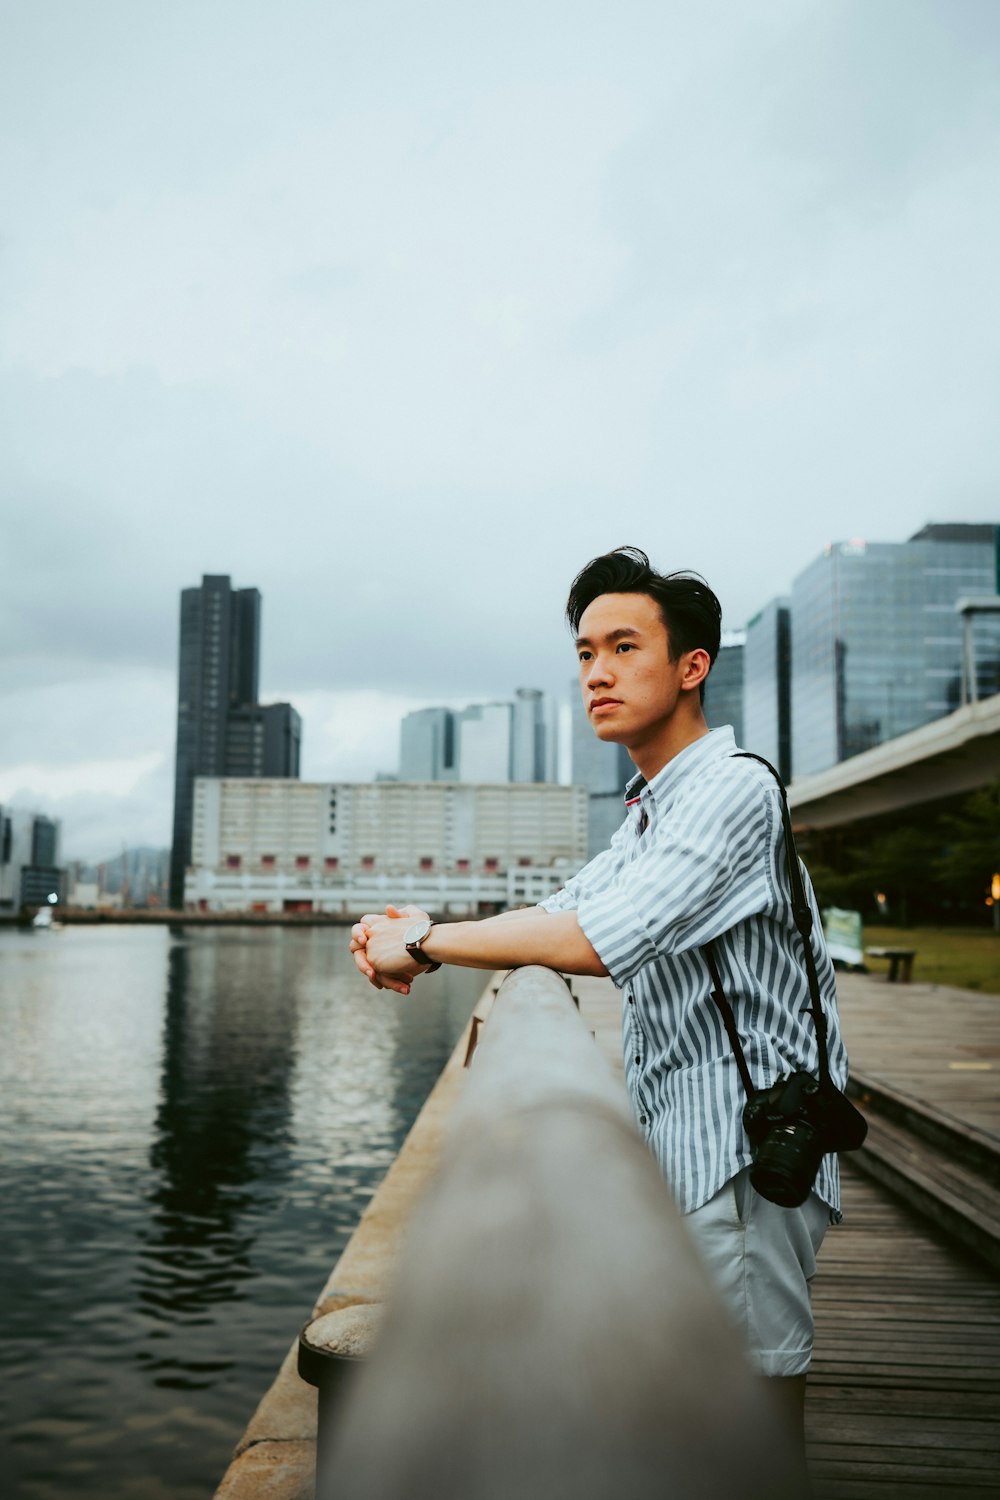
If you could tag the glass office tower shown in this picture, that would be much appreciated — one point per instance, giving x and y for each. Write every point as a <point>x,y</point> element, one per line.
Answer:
<point>427,745</point>
<point>877,642</point>
<point>723,703</point>
<point>767,687</point>
<point>484,742</point>
<point>528,750</point>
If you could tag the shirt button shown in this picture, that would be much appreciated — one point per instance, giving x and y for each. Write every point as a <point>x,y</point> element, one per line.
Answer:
<point>642,1119</point>
<point>638,1058</point>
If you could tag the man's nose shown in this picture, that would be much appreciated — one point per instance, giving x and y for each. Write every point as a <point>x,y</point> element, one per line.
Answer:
<point>599,671</point>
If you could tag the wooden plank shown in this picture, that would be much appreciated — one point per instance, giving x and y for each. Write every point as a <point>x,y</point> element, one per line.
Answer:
<point>979,1405</point>
<point>868,1467</point>
<point>866,1489</point>
<point>897,1432</point>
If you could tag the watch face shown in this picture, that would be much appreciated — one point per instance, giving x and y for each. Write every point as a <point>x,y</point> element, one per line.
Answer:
<point>416,934</point>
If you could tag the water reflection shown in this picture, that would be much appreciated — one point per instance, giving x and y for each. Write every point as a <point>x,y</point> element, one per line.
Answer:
<point>228,1056</point>
<point>190,1127</point>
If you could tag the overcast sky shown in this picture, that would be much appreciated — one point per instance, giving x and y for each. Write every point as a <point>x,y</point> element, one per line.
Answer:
<point>401,312</point>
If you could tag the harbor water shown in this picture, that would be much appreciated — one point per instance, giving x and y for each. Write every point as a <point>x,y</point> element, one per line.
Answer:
<point>191,1123</point>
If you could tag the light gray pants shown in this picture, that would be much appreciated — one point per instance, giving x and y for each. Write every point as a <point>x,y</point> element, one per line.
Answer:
<point>762,1258</point>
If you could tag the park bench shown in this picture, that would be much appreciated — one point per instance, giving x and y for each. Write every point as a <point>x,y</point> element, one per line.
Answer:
<point>900,962</point>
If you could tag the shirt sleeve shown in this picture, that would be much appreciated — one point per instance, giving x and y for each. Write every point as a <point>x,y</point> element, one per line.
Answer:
<point>595,876</point>
<point>710,864</point>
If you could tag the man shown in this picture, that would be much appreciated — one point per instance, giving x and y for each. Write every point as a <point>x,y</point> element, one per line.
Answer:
<point>699,858</point>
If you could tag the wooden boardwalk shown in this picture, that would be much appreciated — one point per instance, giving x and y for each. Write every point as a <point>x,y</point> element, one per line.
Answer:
<point>904,1393</point>
<point>936,1043</point>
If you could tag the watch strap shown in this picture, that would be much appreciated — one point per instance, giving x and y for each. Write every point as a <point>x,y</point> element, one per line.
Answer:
<point>416,952</point>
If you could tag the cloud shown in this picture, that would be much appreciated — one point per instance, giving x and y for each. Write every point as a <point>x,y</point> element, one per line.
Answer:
<point>110,717</point>
<point>352,735</point>
<point>404,325</point>
<point>103,806</point>
<point>23,784</point>
<point>96,752</point>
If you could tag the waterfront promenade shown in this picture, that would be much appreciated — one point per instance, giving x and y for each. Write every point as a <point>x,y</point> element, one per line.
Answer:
<point>904,1396</point>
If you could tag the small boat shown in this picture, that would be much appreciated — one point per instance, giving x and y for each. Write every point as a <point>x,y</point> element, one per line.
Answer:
<point>44,920</point>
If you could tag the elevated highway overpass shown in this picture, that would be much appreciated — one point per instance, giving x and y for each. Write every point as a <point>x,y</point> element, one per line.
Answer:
<point>956,754</point>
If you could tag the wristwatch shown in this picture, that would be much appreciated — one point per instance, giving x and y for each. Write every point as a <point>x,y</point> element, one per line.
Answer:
<point>415,935</point>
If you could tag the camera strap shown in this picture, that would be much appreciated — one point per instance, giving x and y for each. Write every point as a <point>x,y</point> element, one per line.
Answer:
<point>728,1019</point>
<point>803,918</point>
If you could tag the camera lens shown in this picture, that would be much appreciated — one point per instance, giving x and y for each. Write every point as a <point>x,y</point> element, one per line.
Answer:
<point>786,1164</point>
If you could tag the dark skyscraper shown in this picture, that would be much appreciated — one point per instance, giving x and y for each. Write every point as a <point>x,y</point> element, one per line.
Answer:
<point>221,728</point>
<point>263,740</point>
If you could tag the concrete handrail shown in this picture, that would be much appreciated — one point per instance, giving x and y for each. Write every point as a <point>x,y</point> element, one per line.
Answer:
<point>552,1333</point>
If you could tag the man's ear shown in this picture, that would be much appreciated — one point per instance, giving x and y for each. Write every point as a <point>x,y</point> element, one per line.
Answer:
<point>696,668</point>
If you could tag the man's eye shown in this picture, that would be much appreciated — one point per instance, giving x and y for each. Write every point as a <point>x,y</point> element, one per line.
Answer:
<point>583,655</point>
<point>625,646</point>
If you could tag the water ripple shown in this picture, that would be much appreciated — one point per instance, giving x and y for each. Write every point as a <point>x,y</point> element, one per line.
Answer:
<point>189,1131</point>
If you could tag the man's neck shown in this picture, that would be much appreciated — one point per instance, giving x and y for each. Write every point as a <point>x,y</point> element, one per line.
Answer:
<point>650,758</point>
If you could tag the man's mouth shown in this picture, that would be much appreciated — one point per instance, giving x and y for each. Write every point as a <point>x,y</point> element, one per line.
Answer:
<point>599,703</point>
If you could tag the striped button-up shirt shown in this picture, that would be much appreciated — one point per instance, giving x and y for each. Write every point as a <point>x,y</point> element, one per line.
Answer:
<point>700,856</point>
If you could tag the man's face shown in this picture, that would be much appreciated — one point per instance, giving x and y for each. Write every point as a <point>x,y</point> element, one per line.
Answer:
<point>629,684</point>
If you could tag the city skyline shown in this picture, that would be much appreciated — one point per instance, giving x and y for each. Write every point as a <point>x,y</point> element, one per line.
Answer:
<point>570,729</point>
<point>514,739</point>
<point>407,313</point>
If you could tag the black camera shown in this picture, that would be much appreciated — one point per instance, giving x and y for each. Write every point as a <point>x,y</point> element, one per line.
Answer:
<point>792,1125</point>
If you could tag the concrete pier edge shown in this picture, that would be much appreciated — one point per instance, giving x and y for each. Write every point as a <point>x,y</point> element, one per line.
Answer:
<point>276,1456</point>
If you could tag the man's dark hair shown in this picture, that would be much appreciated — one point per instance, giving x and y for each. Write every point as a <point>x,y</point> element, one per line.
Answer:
<point>690,610</point>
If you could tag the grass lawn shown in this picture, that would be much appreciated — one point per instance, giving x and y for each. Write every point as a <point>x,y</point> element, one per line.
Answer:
<point>965,956</point>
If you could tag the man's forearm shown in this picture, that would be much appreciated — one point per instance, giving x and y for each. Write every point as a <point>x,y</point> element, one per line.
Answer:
<point>531,936</point>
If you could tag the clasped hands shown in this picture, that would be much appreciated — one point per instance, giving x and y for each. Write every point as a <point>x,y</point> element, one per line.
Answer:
<point>379,948</point>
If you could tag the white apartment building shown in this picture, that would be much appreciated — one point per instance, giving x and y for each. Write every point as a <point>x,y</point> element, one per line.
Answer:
<point>344,847</point>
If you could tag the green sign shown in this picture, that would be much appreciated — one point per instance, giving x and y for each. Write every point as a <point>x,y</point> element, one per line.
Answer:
<point>844,936</point>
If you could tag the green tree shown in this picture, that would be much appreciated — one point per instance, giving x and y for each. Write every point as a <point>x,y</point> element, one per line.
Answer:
<point>901,862</point>
<point>970,852</point>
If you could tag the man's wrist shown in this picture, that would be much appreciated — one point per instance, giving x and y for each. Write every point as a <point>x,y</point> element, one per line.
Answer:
<point>435,943</point>
<point>415,939</point>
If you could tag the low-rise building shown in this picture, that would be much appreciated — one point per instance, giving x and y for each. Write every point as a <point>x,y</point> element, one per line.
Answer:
<point>454,848</point>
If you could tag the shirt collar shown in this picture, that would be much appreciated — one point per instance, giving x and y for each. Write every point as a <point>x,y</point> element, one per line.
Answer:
<point>692,759</point>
